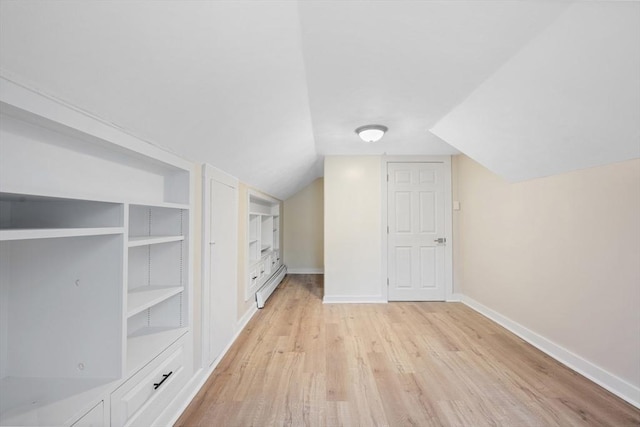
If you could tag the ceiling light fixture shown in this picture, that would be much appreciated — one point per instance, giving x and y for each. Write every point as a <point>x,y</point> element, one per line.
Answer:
<point>371,133</point>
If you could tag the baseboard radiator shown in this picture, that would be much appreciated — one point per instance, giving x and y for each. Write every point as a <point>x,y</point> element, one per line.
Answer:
<point>267,289</point>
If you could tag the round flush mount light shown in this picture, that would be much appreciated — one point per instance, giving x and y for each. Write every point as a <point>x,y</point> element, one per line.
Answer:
<point>371,133</point>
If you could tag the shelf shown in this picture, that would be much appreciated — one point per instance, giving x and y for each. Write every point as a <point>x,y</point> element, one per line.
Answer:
<point>90,196</point>
<point>253,241</point>
<point>48,401</point>
<point>162,205</point>
<point>140,299</point>
<point>146,343</point>
<point>265,248</point>
<point>52,233</point>
<point>152,240</point>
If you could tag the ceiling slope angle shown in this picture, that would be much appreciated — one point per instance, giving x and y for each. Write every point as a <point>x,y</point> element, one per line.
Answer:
<point>568,100</point>
<point>221,82</point>
<point>405,65</point>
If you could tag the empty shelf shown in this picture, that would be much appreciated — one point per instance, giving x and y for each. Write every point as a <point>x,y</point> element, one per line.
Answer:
<point>49,233</point>
<point>152,240</point>
<point>140,299</point>
<point>146,343</point>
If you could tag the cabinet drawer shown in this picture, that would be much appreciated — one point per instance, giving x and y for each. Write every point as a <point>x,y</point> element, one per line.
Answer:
<point>267,266</point>
<point>253,277</point>
<point>140,400</point>
<point>93,418</point>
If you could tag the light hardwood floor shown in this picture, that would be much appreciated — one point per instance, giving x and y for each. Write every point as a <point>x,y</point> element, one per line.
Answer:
<point>302,363</point>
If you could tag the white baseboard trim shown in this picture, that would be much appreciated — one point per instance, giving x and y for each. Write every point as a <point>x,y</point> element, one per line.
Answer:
<point>305,270</point>
<point>242,322</point>
<point>175,409</point>
<point>356,299</point>
<point>605,379</point>
<point>455,297</point>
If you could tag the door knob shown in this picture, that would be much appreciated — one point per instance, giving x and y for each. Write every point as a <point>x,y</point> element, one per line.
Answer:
<point>440,240</point>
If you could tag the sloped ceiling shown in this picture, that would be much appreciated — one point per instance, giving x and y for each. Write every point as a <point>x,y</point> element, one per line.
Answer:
<point>570,99</point>
<point>263,90</point>
<point>405,64</point>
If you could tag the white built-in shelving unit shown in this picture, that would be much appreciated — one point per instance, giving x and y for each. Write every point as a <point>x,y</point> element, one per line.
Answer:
<point>264,258</point>
<point>156,280</point>
<point>95,278</point>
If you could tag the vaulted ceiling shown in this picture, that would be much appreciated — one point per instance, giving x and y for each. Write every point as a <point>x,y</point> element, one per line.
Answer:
<point>265,89</point>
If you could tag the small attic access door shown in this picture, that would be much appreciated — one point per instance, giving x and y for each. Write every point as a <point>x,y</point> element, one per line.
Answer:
<point>219,263</point>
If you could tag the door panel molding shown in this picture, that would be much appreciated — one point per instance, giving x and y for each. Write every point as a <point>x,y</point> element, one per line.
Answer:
<point>448,223</point>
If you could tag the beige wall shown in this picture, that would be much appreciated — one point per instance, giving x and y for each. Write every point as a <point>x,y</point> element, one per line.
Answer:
<point>353,226</point>
<point>304,229</point>
<point>558,255</point>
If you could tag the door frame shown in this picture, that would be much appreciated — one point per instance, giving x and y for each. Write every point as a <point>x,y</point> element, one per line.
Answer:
<point>448,219</point>
<point>208,173</point>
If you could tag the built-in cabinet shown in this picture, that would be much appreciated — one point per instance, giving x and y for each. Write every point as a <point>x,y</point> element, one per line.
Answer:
<point>264,240</point>
<point>95,276</point>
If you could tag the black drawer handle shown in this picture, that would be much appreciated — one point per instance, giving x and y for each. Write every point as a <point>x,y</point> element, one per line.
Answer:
<point>164,378</point>
<point>254,277</point>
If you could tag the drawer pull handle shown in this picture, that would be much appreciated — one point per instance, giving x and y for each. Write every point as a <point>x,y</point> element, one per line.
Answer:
<point>164,378</point>
<point>254,277</point>
<point>261,271</point>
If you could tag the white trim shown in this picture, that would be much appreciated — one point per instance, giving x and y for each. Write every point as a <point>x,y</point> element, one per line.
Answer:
<point>306,270</point>
<point>219,175</point>
<point>355,299</point>
<point>176,408</point>
<point>256,194</point>
<point>455,297</point>
<point>242,322</point>
<point>384,222</point>
<point>603,378</point>
<point>37,107</point>
<point>448,219</point>
<point>448,229</point>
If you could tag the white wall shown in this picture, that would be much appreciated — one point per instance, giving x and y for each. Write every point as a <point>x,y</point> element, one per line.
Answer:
<point>570,99</point>
<point>304,229</point>
<point>352,232</point>
<point>559,256</point>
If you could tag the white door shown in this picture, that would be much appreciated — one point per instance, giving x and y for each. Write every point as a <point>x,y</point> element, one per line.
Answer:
<point>416,231</point>
<point>221,269</point>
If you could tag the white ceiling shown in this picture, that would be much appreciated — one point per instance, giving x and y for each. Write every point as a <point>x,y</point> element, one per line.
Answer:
<point>570,99</point>
<point>404,64</point>
<point>263,90</point>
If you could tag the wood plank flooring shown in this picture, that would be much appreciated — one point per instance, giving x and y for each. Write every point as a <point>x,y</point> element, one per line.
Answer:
<point>302,363</point>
